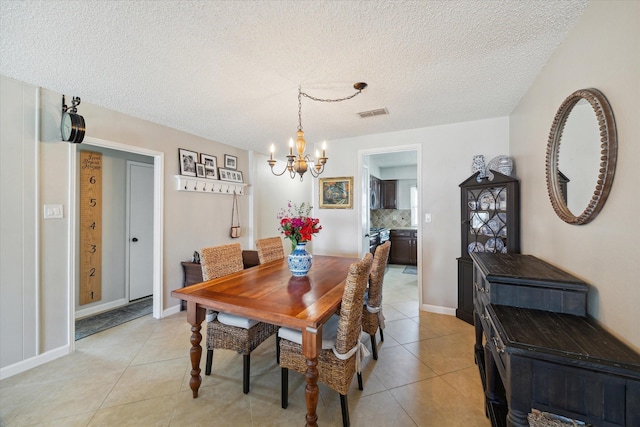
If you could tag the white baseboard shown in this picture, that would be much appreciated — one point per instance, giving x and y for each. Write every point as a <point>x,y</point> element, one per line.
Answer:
<point>439,310</point>
<point>171,310</point>
<point>101,308</point>
<point>41,359</point>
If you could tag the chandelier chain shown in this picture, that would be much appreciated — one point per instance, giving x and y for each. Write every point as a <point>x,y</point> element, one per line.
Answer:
<point>331,100</point>
<point>301,94</point>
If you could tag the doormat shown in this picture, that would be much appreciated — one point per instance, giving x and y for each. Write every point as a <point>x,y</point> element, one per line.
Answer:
<point>103,321</point>
<point>410,269</point>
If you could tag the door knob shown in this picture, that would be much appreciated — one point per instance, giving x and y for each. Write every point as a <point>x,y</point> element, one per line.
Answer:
<point>135,239</point>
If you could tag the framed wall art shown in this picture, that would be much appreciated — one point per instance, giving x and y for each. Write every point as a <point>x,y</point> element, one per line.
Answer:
<point>210,166</point>
<point>200,170</point>
<point>336,193</point>
<point>230,162</point>
<point>188,160</point>
<point>230,175</point>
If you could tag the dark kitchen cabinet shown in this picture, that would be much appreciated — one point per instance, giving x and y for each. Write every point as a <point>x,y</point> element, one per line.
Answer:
<point>404,247</point>
<point>388,190</point>
<point>490,222</point>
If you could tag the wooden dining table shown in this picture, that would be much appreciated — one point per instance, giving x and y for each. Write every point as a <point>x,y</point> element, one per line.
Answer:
<point>269,293</point>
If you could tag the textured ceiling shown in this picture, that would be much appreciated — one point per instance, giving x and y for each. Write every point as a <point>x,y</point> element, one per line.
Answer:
<point>230,70</point>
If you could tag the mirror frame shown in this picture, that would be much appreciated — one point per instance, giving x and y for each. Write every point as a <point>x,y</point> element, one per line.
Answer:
<point>608,155</point>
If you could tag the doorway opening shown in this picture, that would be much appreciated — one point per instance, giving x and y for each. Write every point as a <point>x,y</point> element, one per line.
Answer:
<point>390,180</point>
<point>151,296</point>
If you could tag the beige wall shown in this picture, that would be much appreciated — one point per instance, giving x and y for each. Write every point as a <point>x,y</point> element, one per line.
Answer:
<point>36,253</point>
<point>446,157</point>
<point>602,51</point>
<point>18,216</point>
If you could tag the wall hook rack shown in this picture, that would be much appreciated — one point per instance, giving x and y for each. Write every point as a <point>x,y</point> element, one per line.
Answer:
<point>209,186</point>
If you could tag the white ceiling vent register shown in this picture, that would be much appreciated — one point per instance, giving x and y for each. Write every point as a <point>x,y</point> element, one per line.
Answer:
<point>371,113</point>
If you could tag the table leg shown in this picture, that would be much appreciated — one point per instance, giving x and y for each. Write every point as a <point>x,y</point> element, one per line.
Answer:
<point>195,316</point>
<point>311,345</point>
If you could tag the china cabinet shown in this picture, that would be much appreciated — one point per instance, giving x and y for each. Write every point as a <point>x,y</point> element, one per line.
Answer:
<point>490,222</point>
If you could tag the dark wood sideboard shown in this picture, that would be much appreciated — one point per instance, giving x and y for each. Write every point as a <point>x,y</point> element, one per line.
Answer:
<point>541,350</point>
<point>193,271</point>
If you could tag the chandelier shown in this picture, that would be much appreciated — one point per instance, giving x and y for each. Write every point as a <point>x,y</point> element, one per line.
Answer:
<point>300,163</point>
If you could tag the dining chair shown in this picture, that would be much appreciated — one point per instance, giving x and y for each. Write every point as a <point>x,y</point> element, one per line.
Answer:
<point>224,330</point>
<point>269,249</point>
<point>342,352</point>
<point>372,317</point>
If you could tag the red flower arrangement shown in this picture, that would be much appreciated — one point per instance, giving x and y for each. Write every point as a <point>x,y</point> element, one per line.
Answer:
<point>297,225</point>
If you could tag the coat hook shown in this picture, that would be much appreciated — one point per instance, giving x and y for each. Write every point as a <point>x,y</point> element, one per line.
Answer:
<point>185,184</point>
<point>227,188</point>
<point>195,185</point>
<point>204,187</point>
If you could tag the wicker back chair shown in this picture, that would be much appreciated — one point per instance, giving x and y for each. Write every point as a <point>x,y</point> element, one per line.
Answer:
<point>269,249</point>
<point>372,318</point>
<point>341,352</point>
<point>226,331</point>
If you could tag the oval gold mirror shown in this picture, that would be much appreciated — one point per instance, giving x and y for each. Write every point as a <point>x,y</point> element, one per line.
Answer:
<point>579,179</point>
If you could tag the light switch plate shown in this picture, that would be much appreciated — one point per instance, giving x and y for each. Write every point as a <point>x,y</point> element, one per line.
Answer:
<point>53,211</point>
<point>427,217</point>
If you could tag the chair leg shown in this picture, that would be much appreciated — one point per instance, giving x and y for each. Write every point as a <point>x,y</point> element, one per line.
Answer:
<point>246,368</point>
<point>278,349</point>
<point>374,346</point>
<point>284,387</point>
<point>345,410</point>
<point>207,368</point>
<point>360,380</point>
<point>381,335</point>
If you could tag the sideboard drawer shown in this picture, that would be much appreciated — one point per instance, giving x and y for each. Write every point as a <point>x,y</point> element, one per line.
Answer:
<point>527,282</point>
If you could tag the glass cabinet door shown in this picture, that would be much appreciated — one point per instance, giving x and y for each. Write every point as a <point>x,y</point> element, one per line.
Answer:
<point>487,209</point>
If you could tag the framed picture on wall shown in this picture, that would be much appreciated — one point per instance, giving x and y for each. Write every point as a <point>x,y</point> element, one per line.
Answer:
<point>230,175</point>
<point>188,160</point>
<point>230,162</point>
<point>336,193</point>
<point>200,170</point>
<point>210,166</point>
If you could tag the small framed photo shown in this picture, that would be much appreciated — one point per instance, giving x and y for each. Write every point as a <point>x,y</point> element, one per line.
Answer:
<point>200,170</point>
<point>336,193</point>
<point>188,160</point>
<point>229,175</point>
<point>210,166</point>
<point>230,162</point>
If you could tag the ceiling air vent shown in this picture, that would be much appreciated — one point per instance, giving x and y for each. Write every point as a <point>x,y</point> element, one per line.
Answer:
<point>371,113</point>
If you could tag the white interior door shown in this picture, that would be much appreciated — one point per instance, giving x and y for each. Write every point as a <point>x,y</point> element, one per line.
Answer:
<point>140,229</point>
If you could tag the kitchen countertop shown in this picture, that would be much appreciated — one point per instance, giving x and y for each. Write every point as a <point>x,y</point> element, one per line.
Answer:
<point>403,228</point>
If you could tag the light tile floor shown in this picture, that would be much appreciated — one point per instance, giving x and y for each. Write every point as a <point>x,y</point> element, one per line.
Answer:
<point>137,374</point>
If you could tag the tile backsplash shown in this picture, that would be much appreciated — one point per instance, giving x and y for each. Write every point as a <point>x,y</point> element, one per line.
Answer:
<point>390,218</point>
